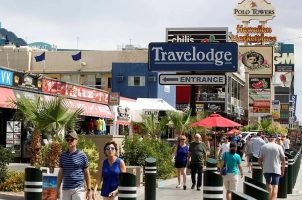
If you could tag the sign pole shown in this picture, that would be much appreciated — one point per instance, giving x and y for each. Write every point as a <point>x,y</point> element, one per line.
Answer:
<point>193,99</point>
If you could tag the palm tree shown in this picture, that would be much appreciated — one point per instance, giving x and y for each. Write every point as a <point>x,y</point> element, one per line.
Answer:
<point>151,125</point>
<point>180,121</point>
<point>265,125</point>
<point>48,116</point>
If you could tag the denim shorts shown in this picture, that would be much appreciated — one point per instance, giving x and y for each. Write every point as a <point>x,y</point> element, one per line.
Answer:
<point>272,178</point>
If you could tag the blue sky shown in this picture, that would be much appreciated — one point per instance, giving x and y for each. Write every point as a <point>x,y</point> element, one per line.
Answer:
<point>108,24</point>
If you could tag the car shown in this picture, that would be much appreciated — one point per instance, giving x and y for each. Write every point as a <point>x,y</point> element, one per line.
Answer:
<point>245,135</point>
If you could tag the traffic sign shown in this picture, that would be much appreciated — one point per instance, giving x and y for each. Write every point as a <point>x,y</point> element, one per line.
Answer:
<point>187,79</point>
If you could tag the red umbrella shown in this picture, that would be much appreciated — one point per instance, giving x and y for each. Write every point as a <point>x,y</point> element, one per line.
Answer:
<point>233,131</point>
<point>215,120</point>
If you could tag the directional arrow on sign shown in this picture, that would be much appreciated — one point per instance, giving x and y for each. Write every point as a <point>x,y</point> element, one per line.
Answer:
<point>166,79</point>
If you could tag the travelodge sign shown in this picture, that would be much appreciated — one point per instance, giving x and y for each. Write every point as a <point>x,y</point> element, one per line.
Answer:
<point>259,10</point>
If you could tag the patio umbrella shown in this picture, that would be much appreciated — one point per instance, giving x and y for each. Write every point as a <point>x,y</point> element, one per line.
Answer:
<point>215,120</point>
<point>234,130</point>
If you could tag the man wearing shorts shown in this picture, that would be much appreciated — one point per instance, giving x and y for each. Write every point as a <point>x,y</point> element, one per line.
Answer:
<point>270,158</point>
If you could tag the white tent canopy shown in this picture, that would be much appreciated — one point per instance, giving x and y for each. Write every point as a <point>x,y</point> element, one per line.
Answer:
<point>148,106</point>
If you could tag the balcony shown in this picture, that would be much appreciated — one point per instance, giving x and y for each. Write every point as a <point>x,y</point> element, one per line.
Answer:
<point>210,97</point>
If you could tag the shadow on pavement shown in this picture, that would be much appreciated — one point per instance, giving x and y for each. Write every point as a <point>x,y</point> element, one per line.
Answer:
<point>10,197</point>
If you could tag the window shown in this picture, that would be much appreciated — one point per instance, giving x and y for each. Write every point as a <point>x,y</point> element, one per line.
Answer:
<point>109,82</point>
<point>136,81</point>
<point>98,83</point>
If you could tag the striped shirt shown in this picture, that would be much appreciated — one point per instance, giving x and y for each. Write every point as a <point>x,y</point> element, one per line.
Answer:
<point>73,165</point>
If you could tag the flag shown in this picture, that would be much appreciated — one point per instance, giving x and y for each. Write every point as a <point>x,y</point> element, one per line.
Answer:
<point>77,56</point>
<point>40,57</point>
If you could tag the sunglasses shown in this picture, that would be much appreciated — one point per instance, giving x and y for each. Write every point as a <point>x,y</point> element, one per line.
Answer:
<point>110,148</point>
<point>70,140</point>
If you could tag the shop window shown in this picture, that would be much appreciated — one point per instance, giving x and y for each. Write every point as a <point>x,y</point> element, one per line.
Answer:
<point>136,81</point>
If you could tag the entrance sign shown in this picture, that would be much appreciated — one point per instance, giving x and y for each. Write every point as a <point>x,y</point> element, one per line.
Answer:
<point>222,57</point>
<point>187,79</point>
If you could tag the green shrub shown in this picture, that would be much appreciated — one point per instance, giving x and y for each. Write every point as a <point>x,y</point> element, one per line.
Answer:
<point>136,150</point>
<point>6,157</point>
<point>13,182</point>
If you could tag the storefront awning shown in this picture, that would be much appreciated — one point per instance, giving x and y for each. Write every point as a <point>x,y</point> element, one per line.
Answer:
<point>90,109</point>
<point>125,123</point>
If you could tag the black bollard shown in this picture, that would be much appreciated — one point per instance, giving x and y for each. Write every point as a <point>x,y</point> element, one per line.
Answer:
<point>150,179</point>
<point>255,191</point>
<point>255,182</point>
<point>290,171</point>
<point>257,172</point>
<point>282,188</point>
<point>240,196</point>
<point>212,182</point>
<point>127,187</point>
<point>33,184</point>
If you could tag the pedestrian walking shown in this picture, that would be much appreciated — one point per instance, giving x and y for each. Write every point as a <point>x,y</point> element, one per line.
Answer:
<point>240,146</point>
<point>286,142</point>
<point>225,147</point>
<point>73,170</point>
<point>109,171</point>
<point>256,143</point>
<point>272,161</point>
<point>181,160</point>
<point>248,153</point>
<point>197,155</point>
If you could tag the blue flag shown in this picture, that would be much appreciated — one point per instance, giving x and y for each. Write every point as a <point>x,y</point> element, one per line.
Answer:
<point>77,56</point>
<point>40,57</point>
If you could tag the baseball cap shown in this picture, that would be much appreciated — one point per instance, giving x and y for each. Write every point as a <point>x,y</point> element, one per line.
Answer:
<point>72,134</point>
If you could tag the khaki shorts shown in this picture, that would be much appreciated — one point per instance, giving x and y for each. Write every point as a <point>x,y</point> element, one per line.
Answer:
<point>230,182</point>
<point>74,194</point>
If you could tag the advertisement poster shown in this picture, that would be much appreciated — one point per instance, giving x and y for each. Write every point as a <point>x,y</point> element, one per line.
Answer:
<point>275,109</point>
<point>283,79</point>
<point>256,59</point>
<point>284,60</point>
<point>261,106</point>
<point>259,94</point>
<point>13,136</point>
<point>50,182</point>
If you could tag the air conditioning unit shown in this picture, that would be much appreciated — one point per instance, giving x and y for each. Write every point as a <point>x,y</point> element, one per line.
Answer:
<point>120,77</point>
<point>151,78</point>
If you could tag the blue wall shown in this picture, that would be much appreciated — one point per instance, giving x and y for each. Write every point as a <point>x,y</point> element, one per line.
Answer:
<point>152,89</point>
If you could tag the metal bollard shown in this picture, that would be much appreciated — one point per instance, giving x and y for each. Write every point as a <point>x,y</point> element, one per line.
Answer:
<point>150,179</point>
<point>257,172</point>
<point>241,196</point>
<point>255,191</point>
<point>127,187</point>
<point>282,188</point>
<point>255,182</point>
<point>212,182</point>
<point>33,184</point>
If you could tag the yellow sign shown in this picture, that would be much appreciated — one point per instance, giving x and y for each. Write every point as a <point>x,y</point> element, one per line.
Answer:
<point>253,38</point>
<point>257,29</point>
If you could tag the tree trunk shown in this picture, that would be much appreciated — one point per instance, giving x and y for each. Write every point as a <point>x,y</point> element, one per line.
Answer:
<point>54,155</point>
<point>36,155</point>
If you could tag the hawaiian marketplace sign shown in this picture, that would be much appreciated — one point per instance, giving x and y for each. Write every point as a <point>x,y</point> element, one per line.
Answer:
<point>256,34</point>
<point>259,10</point>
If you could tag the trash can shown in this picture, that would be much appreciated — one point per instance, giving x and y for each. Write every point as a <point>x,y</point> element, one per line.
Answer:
<point>282,188</point>
<point>212,182</point>
<point>33,184</point>
<point>127,187</point>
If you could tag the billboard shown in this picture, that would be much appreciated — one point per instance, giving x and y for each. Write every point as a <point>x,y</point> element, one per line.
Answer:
<point>275,109</point>
<point>260,95</point>
<point>197,35</point>
<point>210,57</point>
<point>284,58</point>
<point>6,77</point>
<point>256,59</point>
<point>283,79</point>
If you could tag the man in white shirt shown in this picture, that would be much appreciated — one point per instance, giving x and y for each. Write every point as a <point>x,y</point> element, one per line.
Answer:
<point>225,147</point>
<point>286,142</point>
<point>270,159</point>
<point>256,143</point>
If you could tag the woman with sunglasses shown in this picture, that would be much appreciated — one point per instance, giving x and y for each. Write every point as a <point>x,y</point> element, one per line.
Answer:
<point>181,159</point>
<point>109,171</point>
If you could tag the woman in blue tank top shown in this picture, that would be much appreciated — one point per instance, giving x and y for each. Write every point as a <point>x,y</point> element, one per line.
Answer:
<point>181,159</point>
<point>109,171</point>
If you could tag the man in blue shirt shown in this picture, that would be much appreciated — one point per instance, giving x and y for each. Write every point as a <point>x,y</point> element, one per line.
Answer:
<point>73,170</point>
